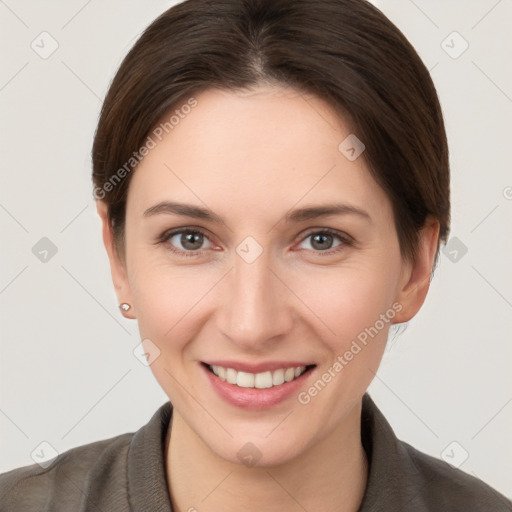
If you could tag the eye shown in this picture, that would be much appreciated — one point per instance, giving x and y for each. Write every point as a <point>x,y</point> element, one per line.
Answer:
<point>185,241</point>
<point>322,241</point>
<point>190,241</point>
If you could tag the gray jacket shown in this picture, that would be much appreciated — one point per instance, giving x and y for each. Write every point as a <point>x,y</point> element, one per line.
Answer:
<point>127,473</point>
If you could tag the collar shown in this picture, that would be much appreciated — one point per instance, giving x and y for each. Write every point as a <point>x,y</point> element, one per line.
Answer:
<point>146,473</point>
<point>392,477</point>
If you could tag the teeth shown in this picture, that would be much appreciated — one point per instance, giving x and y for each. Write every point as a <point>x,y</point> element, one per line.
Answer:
<point>258,380</point>
<point>230,375</point>
<point>221,372</point>
<point>289,374</point>
<point>263,380</point>
<point>245,380</point>
<point>278,377</point>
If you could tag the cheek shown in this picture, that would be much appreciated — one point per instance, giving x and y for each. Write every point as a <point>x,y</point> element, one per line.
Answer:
<point>355,310</point>
<point>167,298</point>
<point>168,301</point>
<point>349,299</point>
<point>173,300</point>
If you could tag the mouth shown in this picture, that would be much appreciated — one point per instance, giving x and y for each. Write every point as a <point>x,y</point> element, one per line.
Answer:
<point>261,380</point>
<point>256,391</point>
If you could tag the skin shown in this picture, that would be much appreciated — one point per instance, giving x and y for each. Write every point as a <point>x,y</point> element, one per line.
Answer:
<point>251,157</point>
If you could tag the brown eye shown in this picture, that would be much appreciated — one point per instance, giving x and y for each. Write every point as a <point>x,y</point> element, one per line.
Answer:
<point>324,241</point>
<point>191,241</point>
<point>186,241</point>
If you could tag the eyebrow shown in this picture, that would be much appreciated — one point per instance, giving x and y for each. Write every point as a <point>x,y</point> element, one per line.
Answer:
<point>297,215</point>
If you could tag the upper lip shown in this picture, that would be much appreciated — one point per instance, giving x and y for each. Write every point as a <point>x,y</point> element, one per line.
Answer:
<point>268,366</point>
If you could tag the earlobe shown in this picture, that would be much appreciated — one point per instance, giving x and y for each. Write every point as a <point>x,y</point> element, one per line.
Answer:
<point>416,279</point>
<point>117,266</point>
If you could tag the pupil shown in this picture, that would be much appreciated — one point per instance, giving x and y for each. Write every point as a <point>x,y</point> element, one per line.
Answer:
<point>188,240</point>
<point>322,239</point>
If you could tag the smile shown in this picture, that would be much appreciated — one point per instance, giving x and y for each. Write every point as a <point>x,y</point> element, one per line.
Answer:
<point>266,386</point>
<point>262,380</point>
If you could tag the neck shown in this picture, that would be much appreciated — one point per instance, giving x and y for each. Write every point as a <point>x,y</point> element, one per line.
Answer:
<point>330,476</point>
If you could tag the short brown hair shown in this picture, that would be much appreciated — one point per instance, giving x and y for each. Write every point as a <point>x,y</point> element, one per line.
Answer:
<point>346,52</point>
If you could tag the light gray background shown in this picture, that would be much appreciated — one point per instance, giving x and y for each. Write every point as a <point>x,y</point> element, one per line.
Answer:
<point>68,375</point>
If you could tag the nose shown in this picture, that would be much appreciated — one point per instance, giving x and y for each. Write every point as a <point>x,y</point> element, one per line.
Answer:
<point>256,310</point>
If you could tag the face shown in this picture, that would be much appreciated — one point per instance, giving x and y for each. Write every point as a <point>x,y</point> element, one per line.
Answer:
<point>279,252</point>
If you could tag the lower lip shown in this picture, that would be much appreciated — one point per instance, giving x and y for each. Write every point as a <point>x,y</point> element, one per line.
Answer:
<point>255,398</point>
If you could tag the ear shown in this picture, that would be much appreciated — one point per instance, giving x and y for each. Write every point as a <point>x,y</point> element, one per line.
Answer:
<point>117,264</point>
<point>415,281</point>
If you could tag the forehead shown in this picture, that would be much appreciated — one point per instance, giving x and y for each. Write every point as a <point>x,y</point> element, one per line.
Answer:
<point>258,150</point>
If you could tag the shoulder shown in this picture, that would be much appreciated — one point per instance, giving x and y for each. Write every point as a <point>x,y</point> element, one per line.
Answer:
<point>402,477</point>
<point>72,477</point>
<point>448,488</point>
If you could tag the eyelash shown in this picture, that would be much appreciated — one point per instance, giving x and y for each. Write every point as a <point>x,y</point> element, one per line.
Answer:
<point>164,237</point>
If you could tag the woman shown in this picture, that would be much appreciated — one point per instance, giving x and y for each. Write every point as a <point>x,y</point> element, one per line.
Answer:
<point>273,183</point>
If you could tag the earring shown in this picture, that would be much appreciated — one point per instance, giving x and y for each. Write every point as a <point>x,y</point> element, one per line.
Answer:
<point>124,306</point>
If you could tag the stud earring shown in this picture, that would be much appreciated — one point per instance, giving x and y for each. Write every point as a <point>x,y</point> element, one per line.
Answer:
<point>124,306</point>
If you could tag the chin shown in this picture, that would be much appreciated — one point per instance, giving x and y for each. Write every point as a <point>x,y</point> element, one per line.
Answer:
<point>254,451</point>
